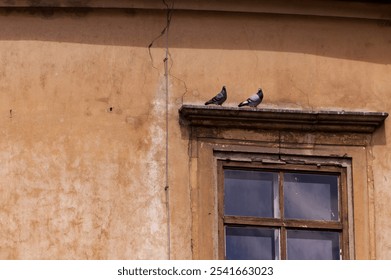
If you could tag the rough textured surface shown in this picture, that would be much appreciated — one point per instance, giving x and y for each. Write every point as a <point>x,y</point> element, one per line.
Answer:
<point>81,149</point>
<point>280,119</point>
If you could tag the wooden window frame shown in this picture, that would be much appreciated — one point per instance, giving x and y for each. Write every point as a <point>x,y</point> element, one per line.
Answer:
<point>283,224</point>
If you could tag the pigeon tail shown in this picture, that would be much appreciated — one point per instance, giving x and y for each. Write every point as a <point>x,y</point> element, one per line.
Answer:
<point>244,103</point>
<point>253,100</point>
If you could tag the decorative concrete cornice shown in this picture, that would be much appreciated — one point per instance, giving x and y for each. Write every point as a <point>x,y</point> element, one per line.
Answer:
<point>329,8</point>
<point>281,119</point>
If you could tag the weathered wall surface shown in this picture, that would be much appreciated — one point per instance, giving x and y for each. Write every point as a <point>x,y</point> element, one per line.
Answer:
<point>82,137</point>
<point>82,117</point>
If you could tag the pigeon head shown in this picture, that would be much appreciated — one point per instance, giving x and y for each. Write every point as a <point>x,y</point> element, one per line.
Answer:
<point>260,92</point>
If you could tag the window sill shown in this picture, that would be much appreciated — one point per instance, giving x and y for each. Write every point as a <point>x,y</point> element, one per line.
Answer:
<point>281,119</point>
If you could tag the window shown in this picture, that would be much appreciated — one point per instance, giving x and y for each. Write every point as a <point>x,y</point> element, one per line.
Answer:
<point>281,141</point>
<point>282,211</point>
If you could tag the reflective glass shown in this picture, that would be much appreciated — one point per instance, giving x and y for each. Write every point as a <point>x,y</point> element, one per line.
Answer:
<point>249,243</point>
<point>312,245</point>
<point>251,193</point>
<point>311,196</point>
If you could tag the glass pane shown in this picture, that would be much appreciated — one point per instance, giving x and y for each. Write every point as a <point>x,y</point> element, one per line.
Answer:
<point>311,196</point>
<point>312,245</point>
<point>249,243</point>
<point>251,193</point>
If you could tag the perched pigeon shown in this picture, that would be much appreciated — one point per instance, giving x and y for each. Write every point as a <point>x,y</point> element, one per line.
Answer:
<point>254,100</point>
<point>219,98</point>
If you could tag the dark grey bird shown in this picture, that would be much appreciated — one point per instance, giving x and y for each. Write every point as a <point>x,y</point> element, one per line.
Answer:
<point>219,99</point>
<point>253,100</point>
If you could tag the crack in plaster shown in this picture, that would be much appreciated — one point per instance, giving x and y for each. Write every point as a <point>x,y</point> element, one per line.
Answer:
<point>301,91</point>
<point>169,12</point>
<point>183,82</point>
<point>168,57</point>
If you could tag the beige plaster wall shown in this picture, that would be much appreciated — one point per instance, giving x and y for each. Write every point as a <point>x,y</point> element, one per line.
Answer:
<point>82,117</point>
<point>82,137</point>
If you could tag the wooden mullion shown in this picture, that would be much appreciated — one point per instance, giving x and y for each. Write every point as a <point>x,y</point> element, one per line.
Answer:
<point>252,221</point>
<point>307,224</point>
<point>283,244</point>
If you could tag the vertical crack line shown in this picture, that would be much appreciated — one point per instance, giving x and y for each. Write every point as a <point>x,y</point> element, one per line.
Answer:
<point>168,57</point>
<point>169,9</point>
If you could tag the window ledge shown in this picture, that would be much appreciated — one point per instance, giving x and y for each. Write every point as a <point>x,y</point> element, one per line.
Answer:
<point>281,119</point>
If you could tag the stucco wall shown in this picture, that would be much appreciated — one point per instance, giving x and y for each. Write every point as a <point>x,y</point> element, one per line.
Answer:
<point>83,131</point>
<point>82,135</point>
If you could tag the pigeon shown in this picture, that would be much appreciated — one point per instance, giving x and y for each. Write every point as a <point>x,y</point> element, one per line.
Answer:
<point>219,98</point>
<point>254,100</point>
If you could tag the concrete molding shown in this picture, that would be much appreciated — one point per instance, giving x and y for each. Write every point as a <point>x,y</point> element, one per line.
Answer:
<point>281,119</point>
<point>330,8</point>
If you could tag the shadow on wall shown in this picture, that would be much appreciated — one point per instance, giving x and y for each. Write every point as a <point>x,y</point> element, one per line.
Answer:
<point>351,39</point>
<point>379,137</point>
